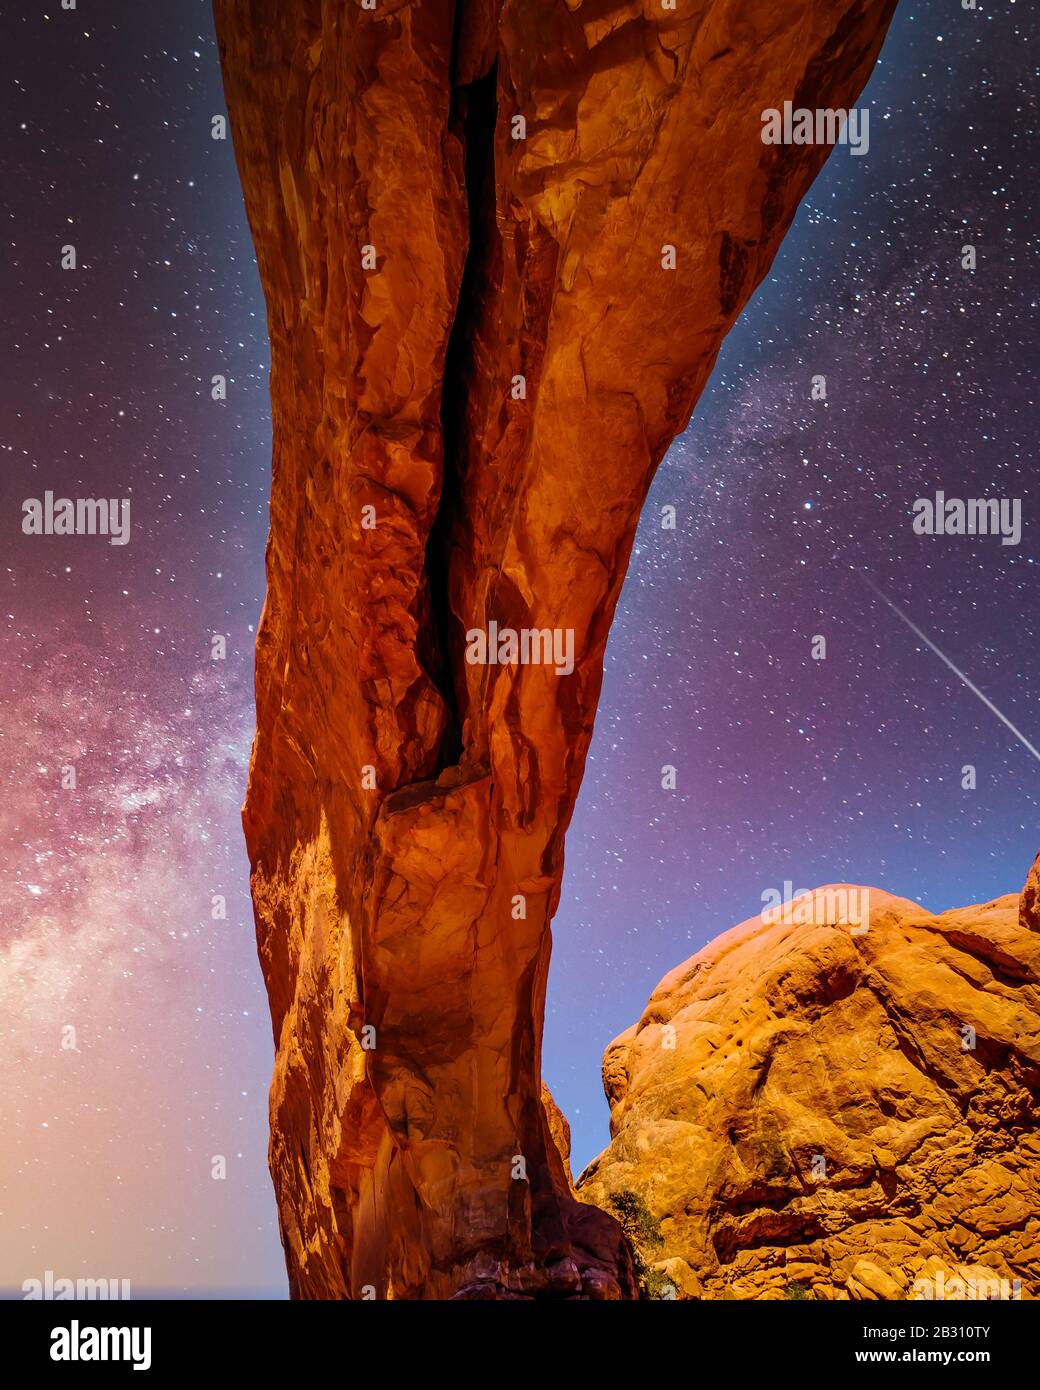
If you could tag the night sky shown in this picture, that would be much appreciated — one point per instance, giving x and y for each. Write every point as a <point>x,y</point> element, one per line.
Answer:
<point>846,769</point>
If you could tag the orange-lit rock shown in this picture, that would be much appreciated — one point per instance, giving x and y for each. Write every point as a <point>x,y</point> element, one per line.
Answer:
<point>809,1111</point>
<point>478,360</point>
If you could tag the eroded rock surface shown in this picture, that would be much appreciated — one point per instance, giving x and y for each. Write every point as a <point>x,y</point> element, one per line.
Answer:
<point>479,356</point>
<point>810,1110</point>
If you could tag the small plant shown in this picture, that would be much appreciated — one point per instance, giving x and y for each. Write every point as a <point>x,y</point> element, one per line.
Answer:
<point>643,1229</point>
<point>637,1220</point>
<point>655,1284</point>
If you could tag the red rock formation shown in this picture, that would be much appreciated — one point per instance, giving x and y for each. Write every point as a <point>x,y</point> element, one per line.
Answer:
<point>478,360</point>
<point>810,1111</point>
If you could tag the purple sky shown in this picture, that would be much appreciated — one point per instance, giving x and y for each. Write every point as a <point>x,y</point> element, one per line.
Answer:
<point>845,769</point>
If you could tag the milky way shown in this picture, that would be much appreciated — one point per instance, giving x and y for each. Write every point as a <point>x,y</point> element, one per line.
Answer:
<point>108,889</point>
<point>788,768</point>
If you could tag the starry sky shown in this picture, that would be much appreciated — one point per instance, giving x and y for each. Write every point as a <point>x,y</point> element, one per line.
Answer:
<point>788,511</point>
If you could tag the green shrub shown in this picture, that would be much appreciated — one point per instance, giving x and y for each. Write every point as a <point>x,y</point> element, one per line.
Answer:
<point>643,1230</point>
<point>637,1220</point>
<point>797,1292</point>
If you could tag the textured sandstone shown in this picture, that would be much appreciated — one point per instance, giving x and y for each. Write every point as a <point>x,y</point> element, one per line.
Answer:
<point>416,260</point>
<point>907,1058</point>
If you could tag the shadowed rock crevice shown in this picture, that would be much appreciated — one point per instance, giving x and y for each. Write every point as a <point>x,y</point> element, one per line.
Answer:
<point>474,115</point>
<point>478,359</point>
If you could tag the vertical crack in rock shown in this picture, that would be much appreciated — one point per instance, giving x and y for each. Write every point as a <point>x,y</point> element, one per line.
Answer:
<point>479,355</point>
<point>474,113</point>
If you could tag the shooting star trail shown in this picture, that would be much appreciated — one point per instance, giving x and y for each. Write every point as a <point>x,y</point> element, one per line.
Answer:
<point>947,662</point>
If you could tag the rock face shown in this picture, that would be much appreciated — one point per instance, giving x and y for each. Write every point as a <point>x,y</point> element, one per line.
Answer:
<point>807,1109</point>
<point>466,218</point>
